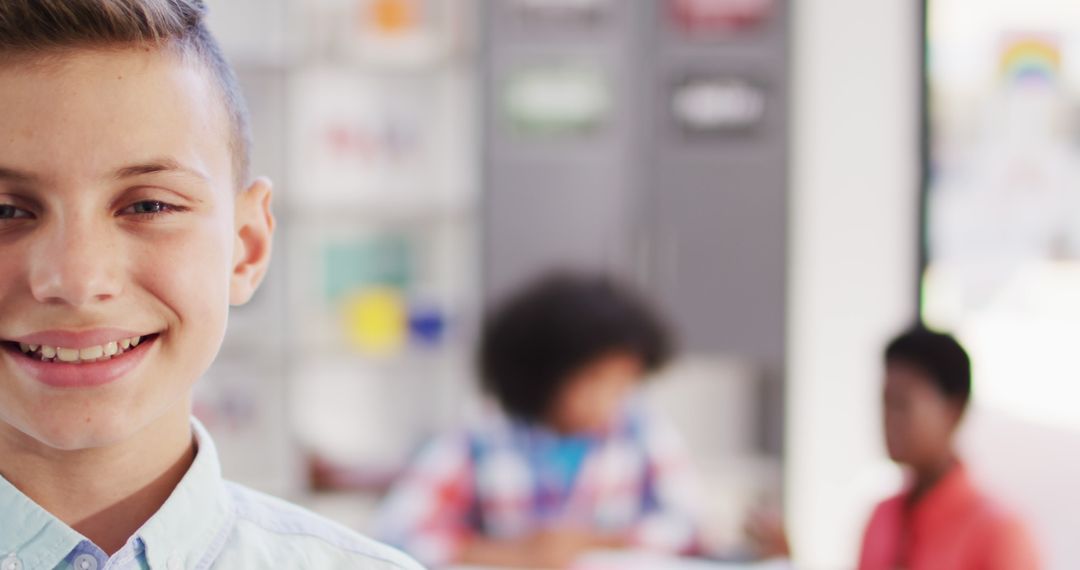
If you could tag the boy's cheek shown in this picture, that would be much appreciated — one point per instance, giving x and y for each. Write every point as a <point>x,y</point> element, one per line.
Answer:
<point>8,273</point>
<point>191,277</point>
<point>179,277</point>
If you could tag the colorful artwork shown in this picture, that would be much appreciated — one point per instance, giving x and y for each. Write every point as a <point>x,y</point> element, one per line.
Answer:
<point>1031,59</point>
<point>400,34</point>
<point>1003,197</point>
<point>391,17</point>
<point>719,16</point>
<point>375,320</point>
<point>379,261</point>
<point>355,135</point>
<point>371,284</point>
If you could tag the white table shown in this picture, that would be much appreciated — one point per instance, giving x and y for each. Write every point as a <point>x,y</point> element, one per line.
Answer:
<point>632,560</point>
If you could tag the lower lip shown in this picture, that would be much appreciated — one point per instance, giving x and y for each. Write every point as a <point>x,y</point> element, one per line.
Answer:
<point>66,375</point>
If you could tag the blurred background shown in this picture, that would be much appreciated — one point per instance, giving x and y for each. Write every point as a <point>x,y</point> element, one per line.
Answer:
<point>792,183</point>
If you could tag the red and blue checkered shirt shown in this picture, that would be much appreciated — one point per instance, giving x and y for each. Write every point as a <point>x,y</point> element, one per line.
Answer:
<point>505,479</point>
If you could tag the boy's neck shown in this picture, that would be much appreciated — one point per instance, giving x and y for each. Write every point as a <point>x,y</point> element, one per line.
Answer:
<point>105,494</point>
<point>927,476</point>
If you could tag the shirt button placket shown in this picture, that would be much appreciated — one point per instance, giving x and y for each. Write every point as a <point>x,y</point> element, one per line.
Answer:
<point>85,562</point>
<point>174,563</point>
<point>11,562</point>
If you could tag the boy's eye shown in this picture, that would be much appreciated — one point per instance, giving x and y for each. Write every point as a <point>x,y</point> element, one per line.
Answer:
<point>148,208</point>
<point>9,212</point>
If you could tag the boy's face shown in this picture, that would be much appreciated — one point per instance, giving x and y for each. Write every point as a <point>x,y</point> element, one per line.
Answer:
<point>591,399</point>
<point>919,420</point>
<point>118,218</point>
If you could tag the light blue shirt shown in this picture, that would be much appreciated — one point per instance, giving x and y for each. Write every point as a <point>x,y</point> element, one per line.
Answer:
<point>207,522</point>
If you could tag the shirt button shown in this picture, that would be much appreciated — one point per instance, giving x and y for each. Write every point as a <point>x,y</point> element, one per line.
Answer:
<point>12,562</point>
<point>174,562</point>
<point>85,562</point>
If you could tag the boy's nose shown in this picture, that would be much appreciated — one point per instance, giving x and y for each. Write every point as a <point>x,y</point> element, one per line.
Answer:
<point>74,265</point>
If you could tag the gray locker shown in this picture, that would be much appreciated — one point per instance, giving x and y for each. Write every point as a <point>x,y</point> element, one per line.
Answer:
<point>680,185</point>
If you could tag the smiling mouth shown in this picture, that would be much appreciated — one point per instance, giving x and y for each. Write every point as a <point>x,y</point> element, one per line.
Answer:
<point>84,355</point>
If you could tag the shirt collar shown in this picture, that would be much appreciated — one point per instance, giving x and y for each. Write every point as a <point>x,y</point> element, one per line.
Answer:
<point>189,530</point>
<point>954,491</point>
<point>30,532</point>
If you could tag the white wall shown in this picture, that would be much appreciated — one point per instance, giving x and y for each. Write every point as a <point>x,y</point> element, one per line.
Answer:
<point>853,259</point>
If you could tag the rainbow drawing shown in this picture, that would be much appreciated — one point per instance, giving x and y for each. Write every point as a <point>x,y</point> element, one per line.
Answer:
<point>1030,59</point>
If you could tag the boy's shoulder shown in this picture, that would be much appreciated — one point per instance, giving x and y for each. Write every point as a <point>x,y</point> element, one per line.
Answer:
<point>273,531</point>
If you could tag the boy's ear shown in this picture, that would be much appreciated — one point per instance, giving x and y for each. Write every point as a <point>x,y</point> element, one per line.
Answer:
<point>254,237</point>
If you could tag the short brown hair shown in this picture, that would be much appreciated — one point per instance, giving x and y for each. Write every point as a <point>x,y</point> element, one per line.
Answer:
<point>41,26</point>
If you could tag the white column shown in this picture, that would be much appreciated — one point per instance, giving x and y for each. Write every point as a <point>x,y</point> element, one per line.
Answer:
<point>853,259</point>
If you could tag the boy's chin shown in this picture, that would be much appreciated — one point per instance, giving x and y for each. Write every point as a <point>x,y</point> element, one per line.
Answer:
<point>83,432</point>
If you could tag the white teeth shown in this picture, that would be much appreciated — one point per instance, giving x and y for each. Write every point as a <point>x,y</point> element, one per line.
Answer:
<point>88,354</point>
<point>91,353</point>
<point>67,354</point>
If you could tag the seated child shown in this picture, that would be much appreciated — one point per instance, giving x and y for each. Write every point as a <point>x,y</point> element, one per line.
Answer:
<point>128,225</point>
<point>572,462</point>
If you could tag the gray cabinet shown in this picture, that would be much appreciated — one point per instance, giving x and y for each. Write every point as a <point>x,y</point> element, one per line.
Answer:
<point>658,152</point>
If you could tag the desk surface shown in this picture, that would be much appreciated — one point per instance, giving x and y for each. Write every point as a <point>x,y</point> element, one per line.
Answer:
<point>630,560</point>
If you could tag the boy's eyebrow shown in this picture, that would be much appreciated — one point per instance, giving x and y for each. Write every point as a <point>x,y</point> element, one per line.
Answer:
<point>160,165</point>
<point>17,176</point>
<point>151,167</point>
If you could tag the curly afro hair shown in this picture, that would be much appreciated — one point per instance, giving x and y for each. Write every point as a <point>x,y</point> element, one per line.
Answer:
<point>535,340</point>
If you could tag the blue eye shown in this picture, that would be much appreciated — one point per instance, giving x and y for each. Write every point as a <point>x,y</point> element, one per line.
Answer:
<point>9,212</point>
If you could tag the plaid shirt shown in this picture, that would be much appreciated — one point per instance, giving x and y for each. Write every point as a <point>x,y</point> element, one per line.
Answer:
<point>499,480</point>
